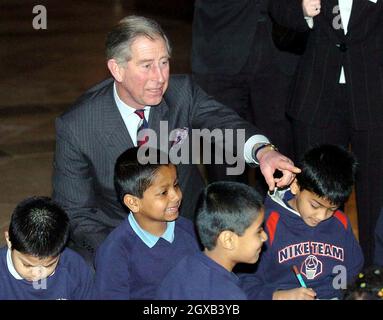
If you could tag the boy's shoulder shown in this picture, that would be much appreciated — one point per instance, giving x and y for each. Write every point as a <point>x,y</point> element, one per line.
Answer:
<point>72,261</point>
<point>342,219</point>
<point>186,226</point>
<point>120,239</point>
<point>184,223</point>
<point>190,268</point>
<point>3,251</point>
<point>3,258</point>
<point>121,234</point>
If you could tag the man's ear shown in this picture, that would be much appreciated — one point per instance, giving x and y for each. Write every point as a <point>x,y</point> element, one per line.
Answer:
<point>115,69</point>
<point>294,187</point>
<point>132,202</point>
<point>228,239</point>
<point>6,236</point>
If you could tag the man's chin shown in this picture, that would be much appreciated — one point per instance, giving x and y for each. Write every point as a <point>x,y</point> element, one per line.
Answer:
<point>153,99</point>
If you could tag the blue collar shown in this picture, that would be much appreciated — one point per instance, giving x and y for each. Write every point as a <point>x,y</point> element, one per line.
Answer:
<point>149,239</point>
<point>11,267</point>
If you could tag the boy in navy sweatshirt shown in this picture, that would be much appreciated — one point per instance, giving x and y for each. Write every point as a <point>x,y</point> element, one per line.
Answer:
<point>136,256</point>
<point>307,230</point>
<point>229,223</point>
<point>35,263</point>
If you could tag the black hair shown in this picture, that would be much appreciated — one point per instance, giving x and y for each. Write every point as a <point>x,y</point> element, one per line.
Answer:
<point>133,173</point>
<point>367,286</point>
<point>39,227</point>
<point>329,172</point>
<point>224,206</point>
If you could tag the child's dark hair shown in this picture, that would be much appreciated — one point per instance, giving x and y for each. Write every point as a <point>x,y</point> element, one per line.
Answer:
<point>329,172</point>
<point>39,227</point>
<point>133,174</point>
<point>367,286</point>
<point>224,206</point>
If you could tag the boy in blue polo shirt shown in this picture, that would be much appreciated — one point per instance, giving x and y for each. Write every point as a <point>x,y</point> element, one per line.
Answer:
<point>229,223</point>
<point>136,255</point>
<point>35,263</point>
<point>307,232</point>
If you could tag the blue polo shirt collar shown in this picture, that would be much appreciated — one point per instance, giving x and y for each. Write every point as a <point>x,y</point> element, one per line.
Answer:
<point>149,239</point>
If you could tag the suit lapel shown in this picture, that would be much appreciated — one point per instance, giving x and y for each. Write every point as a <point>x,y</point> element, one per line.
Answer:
<point>159,113</point>
<point>113,132</point>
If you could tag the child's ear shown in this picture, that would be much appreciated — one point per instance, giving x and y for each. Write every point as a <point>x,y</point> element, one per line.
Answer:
<point>132,202</point>
<point>9,244</point>
<point>294,187</point>
<point>228,239</point>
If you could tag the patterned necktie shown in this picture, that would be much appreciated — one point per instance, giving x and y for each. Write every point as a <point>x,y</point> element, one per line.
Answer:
<point>142,136</point>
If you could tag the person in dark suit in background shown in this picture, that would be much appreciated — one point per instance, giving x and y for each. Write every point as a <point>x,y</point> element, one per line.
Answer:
<point>338,92</point>
<point>105,121</point>
<point>236,60</point>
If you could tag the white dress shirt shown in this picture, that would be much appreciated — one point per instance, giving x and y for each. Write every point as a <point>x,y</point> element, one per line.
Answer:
<point>131,119</point>
<point>345,7</point>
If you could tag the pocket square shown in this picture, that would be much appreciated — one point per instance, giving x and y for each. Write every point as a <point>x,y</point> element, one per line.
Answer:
<point>178,136</point>
<point>374,1</point>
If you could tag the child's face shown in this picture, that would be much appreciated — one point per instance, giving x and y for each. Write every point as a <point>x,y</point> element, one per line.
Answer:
<point>312,208</point>
<point>250,243</point>
<point>161,201</point>
<point>32,268</point>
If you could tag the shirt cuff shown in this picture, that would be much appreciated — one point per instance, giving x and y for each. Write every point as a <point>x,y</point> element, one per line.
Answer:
<point>310,22</point>
<point>248,149</point>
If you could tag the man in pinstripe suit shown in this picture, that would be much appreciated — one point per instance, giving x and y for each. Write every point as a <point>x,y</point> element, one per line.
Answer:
<point>338,94</point>
<point>102,124</point>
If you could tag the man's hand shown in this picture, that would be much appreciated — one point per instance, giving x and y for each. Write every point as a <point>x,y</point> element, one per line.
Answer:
<point>311,8</point>
<point>270,161</point>
<point>295,294</point>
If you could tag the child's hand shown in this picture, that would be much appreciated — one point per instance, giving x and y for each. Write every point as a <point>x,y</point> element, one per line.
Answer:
<point>311,8</point>
<point>295,294</point>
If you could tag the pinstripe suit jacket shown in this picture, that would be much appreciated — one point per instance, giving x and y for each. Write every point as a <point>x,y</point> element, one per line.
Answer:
<point>90,137</point>
<point>360,52</point>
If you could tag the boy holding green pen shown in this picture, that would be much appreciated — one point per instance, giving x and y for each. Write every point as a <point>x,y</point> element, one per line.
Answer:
<point>306,230</point>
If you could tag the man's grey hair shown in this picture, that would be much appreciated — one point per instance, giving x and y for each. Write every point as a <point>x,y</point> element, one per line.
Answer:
<point>121,37</point>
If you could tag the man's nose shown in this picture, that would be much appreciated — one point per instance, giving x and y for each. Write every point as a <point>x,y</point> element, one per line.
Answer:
<point>158,73</point>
